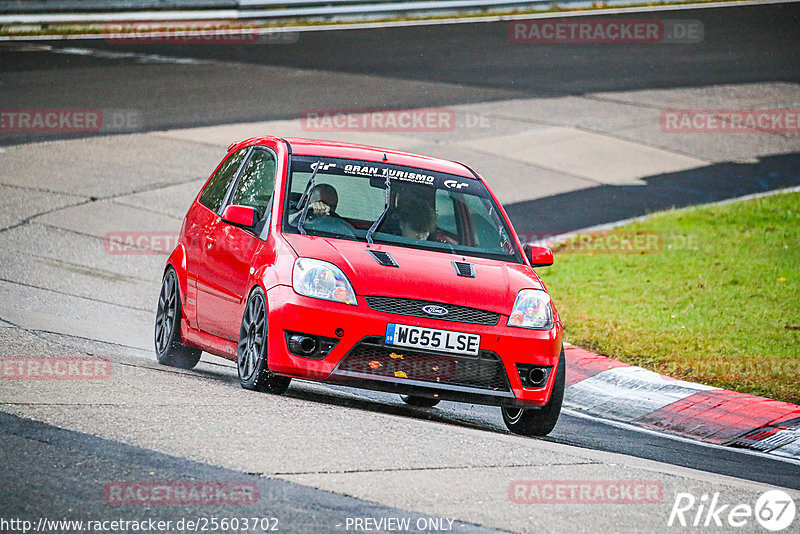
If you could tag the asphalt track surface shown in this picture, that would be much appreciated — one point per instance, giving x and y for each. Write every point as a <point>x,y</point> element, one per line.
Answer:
<point>409,67</point>
<point>67,471</point>
<point>453,64</point>
<point>88,460</point>
<point>430,66</point>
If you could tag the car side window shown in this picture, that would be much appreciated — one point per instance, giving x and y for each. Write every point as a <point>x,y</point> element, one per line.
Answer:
<point>445,212</point>
<point>214,193</point>
<point>257,182</point>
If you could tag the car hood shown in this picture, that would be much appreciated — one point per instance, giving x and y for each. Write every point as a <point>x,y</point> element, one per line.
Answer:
<point>421,274</point>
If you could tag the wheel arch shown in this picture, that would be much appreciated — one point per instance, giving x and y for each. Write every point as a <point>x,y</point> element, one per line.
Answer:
<point>177,260</point>
<point>257,284</point>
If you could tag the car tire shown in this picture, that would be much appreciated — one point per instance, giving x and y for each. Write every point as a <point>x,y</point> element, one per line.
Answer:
<point>539,421</point>
<point>167,335</point>
<point>421,402</point>
<point>251,360</point>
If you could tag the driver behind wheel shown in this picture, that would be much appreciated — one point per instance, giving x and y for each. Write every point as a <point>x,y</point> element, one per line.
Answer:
<point>322,202</point>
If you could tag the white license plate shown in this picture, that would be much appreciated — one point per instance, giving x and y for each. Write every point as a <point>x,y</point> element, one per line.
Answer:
<point>432,339</point>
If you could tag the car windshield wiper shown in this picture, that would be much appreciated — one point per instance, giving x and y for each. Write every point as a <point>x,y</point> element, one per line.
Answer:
<point>379,220</point>
<point>304,199</point>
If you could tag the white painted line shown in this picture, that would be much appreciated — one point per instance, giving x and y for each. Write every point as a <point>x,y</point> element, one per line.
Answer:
<point>111,54</point>
<point>643,430</point>
<point>789,450</point>
<point>182,16</point>
<point>127,16</point>
<point>627,393</point>
<point>531,16</point>
<point>780,439</point>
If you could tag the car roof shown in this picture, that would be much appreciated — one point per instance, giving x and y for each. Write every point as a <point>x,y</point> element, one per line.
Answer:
<point>319,147</point>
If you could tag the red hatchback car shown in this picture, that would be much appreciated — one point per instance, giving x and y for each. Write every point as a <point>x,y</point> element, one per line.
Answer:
<point>364,267</point>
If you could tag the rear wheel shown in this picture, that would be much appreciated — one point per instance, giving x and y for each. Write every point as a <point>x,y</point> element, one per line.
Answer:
<point>252,352</point>
<point>169,349</point>
<point>539,421</point>
<point>422,402</point>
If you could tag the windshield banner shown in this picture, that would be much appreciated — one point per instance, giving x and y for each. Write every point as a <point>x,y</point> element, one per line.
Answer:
<point>396,173</point>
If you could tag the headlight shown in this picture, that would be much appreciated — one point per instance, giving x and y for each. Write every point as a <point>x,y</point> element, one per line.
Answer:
<point>532,310</point>
<point>322,280</point>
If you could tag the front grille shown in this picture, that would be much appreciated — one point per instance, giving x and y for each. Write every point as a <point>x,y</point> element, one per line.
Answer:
<point>371,357</point>
<point>412,307</point>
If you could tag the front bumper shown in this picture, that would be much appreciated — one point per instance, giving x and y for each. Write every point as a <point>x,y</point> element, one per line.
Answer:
<point>490,378</point>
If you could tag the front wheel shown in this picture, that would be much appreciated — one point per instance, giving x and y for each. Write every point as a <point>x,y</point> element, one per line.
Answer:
<point>169,349</point>
<point>539,421</point>
<point>252,352</point>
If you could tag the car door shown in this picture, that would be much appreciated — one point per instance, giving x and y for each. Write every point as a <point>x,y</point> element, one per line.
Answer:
<point>202,215</point>
<point>228,250</point>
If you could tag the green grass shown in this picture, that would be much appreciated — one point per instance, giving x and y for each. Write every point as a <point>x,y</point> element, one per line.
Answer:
<point>717,301</point>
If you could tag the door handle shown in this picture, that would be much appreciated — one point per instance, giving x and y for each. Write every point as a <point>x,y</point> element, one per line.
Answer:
<point>209,242</point>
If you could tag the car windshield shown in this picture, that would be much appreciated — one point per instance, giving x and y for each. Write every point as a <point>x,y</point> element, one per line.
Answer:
<point>418,208</point>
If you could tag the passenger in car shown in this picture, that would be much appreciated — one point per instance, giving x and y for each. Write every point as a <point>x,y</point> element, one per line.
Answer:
<point>417,220</point>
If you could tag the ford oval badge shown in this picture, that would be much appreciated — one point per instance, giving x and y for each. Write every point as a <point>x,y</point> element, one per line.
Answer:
<point>432,309</point>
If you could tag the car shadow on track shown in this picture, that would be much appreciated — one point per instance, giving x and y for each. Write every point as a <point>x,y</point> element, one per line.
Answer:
<point>470,416</point>
<point>610,203</point>
<point>474,416</point>
<point>571,430</point>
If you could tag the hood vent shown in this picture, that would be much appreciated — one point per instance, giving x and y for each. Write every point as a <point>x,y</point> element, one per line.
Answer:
<point>384,258</point>
<point>464,269</point>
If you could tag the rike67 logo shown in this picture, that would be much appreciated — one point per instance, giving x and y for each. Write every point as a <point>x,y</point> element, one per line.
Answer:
<point>774,510</point>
